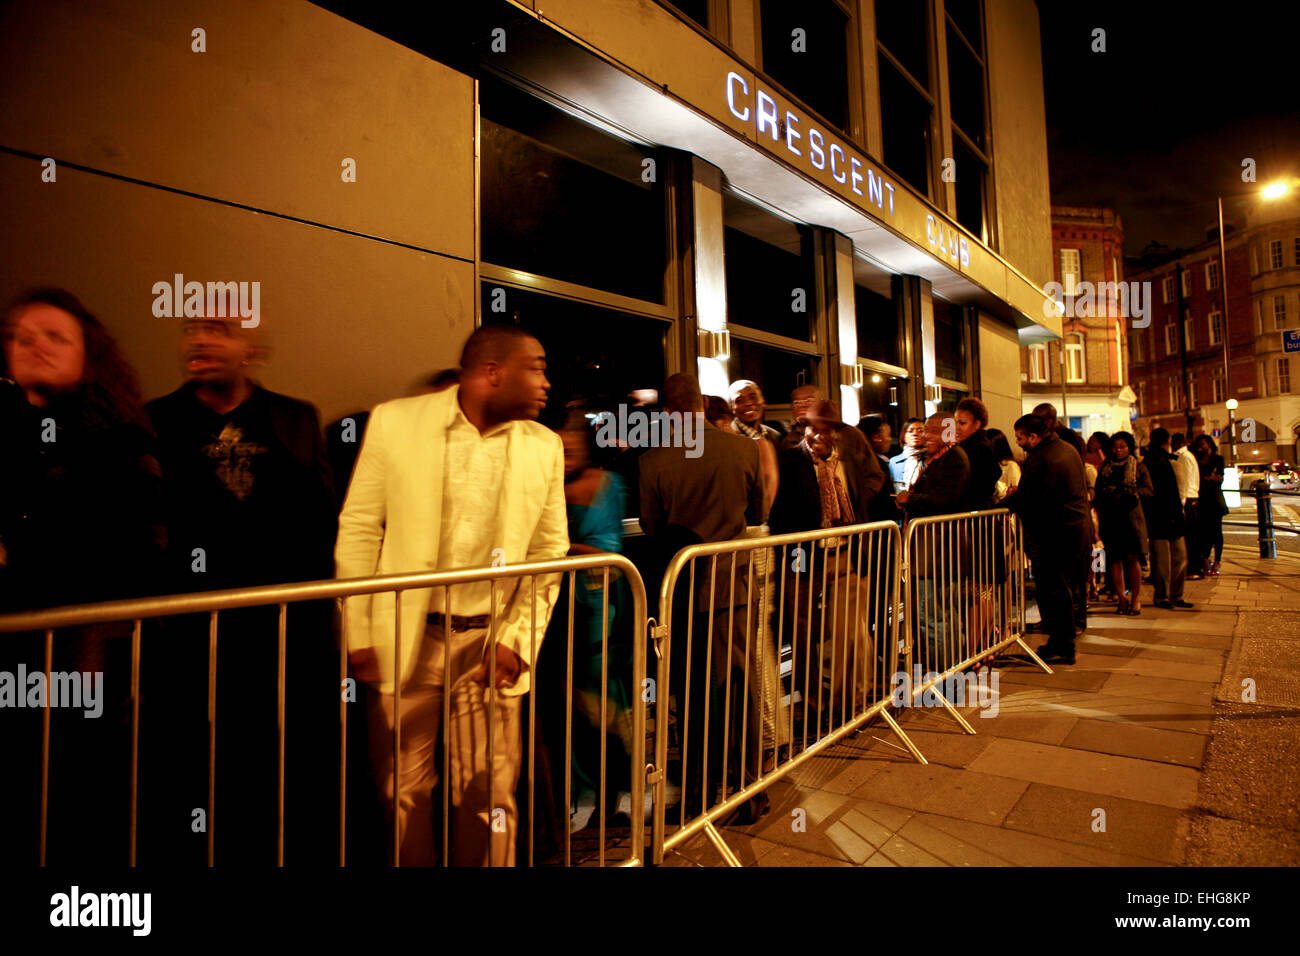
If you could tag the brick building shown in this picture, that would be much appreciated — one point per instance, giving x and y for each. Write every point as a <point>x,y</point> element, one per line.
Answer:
<point>1178,362</point>
<point>1084,373</point>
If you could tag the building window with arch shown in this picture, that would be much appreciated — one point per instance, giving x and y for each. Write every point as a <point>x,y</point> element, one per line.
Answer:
<point>1038,362</point>
<point>1074,361</point>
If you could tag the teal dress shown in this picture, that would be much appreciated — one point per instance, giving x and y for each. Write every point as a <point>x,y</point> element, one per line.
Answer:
<point>600,525</point>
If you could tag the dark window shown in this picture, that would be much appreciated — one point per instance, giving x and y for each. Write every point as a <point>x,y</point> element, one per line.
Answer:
<point>902,28</point>
<point>965,88</point>
<point>949,341</point>
<point>970,173</point>
<point>596,369</point>
<point>565,200</point>
<point>771,272</point>
<point>697,10</point>
<point>776,371</point>
<point>812,64</point>
<point>966,14</point>
<point>877,319</point>
<point>905,123</point>
<point>885,396</point>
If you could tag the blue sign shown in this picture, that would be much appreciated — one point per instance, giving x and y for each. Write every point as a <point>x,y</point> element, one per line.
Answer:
<point>1216,433</point>
<point>1291,340</point>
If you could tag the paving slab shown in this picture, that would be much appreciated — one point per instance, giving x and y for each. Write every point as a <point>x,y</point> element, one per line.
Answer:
<point>1159,688</point>
<point>1134,740</point>
<point>1016,847</point>
<point>1122,826</point>
<point>1126,777</point>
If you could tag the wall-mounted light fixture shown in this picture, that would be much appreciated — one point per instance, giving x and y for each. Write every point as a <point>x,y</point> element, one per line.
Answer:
<point>715,345</point>
<point>853,375</point>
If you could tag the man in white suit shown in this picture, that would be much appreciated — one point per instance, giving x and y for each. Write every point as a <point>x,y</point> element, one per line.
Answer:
<point>464,478</point>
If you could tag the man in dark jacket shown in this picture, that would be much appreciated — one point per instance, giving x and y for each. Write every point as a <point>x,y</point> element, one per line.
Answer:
<point>1165,525</point>
<point>972,418</point>
<point>1052,502</point>
<point>1047,412</point>
<point>937,490</point>
<point>941,481</point>
<point>250,502</point>
<point>826,483</point>
<point>689,495</point>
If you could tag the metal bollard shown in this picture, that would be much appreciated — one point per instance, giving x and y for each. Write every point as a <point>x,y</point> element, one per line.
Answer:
<point>1264,516</point>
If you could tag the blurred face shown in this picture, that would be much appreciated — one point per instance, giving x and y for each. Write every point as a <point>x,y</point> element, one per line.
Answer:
<point>520,382</point>
<point>1026,441</point>
<point>215,351</point>
<point>802,398</point>
<point>934,434</point>
<point>748,405</point>
<point>821,438</point>
<point>881,440</point>
<point>967,424</point>
<point>575,451</point>
<point>1094,444</point>
<point>45,349</point>
<point>1119,449</point>
<point>914,435</point>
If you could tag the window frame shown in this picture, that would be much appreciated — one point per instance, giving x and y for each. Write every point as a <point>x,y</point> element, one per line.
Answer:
<point>1075,350</point>
<point>1284,371</point>
<point>1212,274</point>
<point>1040,349</point>
<point>1215,320</point>
<point>1167,288</point>
<point>1275,260</point>
<point>1171,339</point>
<point>1279,315</point>
<point>1075,276</point>
<point>1187,283</point>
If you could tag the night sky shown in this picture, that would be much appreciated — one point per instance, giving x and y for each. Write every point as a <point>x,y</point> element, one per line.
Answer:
<point>1158,124</point>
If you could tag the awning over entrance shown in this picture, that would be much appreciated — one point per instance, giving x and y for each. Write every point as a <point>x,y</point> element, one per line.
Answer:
<point>770,150</point>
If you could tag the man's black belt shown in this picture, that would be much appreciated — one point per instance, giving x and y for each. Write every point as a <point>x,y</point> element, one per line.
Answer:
<point>477,623</point>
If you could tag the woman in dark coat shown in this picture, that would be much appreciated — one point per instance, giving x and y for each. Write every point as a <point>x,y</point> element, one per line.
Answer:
<point>1122,483</point>
<point>1210,507</point>
<point>79,522</point>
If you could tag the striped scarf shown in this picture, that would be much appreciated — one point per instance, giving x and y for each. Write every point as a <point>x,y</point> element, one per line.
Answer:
<point>836,510</point>
<point>746,430</point>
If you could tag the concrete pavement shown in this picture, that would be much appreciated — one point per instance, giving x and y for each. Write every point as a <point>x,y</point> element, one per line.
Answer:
<point>1172,741</point>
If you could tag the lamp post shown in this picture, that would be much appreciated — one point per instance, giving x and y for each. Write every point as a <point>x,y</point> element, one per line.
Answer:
<point>1232,431</point>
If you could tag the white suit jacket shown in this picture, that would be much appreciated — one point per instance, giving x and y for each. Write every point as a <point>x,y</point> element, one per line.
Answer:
<point>391,523</point>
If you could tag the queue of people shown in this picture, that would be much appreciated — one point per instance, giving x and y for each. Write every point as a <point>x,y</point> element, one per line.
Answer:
<point>224,483</point>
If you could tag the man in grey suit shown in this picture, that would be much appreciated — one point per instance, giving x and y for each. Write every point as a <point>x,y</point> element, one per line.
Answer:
<point>706,493</point>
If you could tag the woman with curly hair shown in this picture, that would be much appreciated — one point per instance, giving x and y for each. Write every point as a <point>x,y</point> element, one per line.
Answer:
<point>79,522</point>
<point>1122,482</point>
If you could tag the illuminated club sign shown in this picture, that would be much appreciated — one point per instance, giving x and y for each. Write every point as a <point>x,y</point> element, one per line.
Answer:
<point>829,158</point>
<point>824,153</point>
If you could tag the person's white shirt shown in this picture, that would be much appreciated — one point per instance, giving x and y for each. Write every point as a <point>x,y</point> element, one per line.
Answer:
<point>1188,472</point>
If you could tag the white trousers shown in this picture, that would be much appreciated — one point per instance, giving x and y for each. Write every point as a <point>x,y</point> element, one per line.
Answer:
<point>483,816</point>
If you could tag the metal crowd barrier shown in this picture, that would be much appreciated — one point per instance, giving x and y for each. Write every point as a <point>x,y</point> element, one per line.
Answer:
<point>831,599</point>
<point>579,572</point>
<point>965,602</point>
